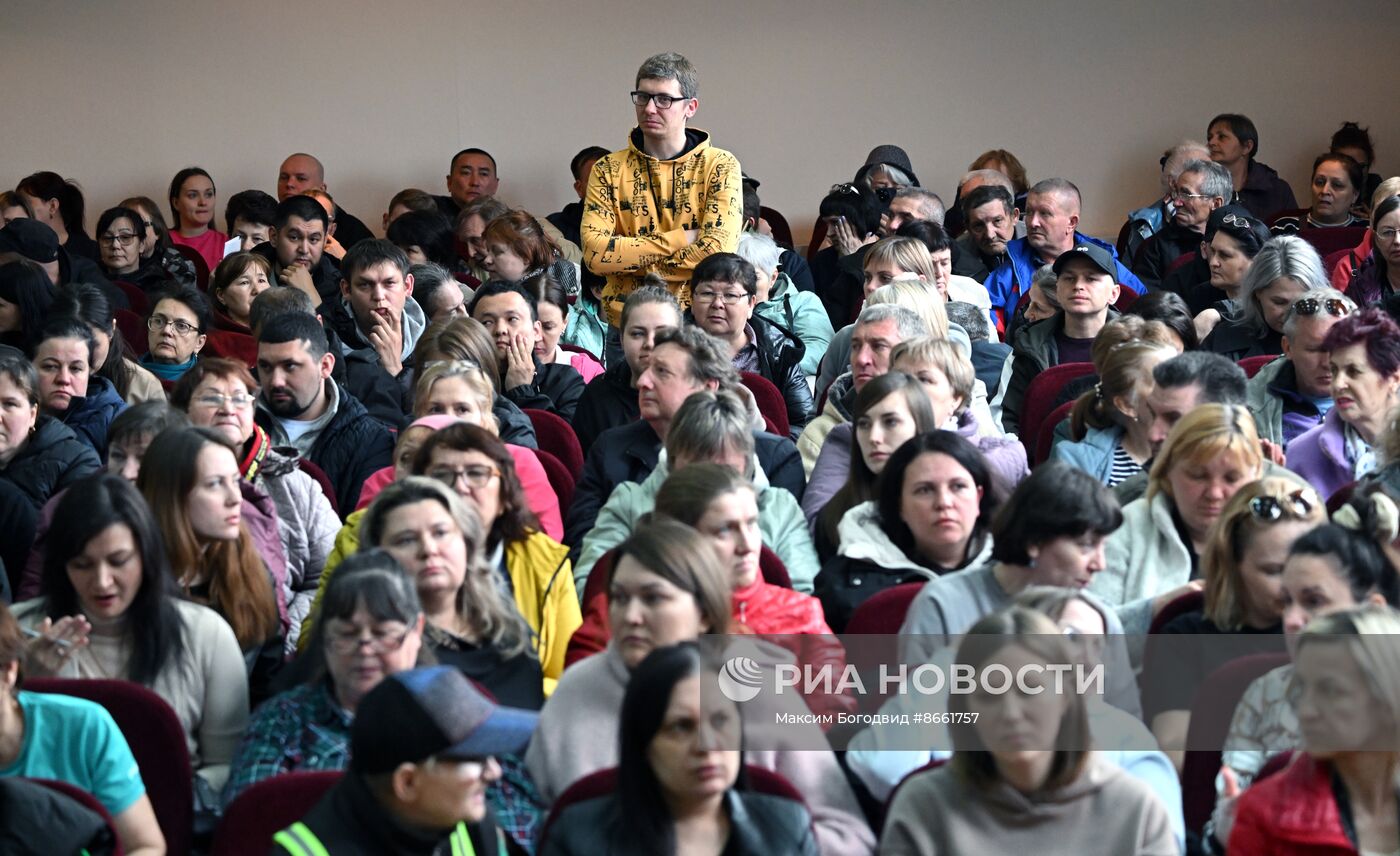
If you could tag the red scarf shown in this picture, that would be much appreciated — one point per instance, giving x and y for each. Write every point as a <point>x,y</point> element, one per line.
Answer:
<point>256,450</point>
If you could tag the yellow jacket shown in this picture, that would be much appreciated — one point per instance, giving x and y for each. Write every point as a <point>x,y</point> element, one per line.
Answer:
<point>540,574</point>
<point>637,209</point>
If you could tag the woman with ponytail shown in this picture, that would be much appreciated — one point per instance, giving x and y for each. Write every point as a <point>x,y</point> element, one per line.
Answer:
<point>1107,423</point>
<point>58,204</point>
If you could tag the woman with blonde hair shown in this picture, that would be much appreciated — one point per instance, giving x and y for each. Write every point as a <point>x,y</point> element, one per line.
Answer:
<point>1108,424</point>
<point>1154,557</point>
<point>466,339</point>
<point>1242,567</point>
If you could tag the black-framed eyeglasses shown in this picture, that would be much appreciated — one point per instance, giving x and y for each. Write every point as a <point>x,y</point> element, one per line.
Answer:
<point>663,100</point>
<point>1334,306</point>
<point>1299,504</point>
<point>158,323</point>
<point>345,644</point>
<point>728,298</point>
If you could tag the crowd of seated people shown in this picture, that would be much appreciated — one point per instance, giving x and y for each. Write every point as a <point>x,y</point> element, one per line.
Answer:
<point>451,518</point>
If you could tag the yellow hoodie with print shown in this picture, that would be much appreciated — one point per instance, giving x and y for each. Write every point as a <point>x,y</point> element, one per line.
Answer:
<point>637,209</point>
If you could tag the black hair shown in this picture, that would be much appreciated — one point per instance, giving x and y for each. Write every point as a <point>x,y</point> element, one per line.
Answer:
<point>1220,380</point>
<point>50,185</point>
<point>1353,136</point>
<point>1249,232</point>
<point>859,206</point>
<point>295,327</point>
<point>27,286</point>
<point>643,817</point>
<point>138,223</point>
<point>927,232</point>
<point>547,288</point>
<point>192,298</point>
<point>429,231</point>
<point>983,195</point>
<point>889,489</point>
<point>753,208</point>
<point>578,160</point>
<point>153,626</point>
<point>1358,560</point>
<point>303,207</point>
<point>67,327</point>
<point>1055,501</point>
<point>253,206</point>
<point>472,151</point>
<point>726,268</point>
<point>1242,127</point>
<point>91,305</point>
<point>428,280</point>
<point>178,182</point>
<point>374,251</point>
<point>496,289</point>
<point>1169,308</point>
<point>145,419</point>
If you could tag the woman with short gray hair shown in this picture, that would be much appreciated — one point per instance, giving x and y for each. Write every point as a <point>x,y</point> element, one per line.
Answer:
<point>1284,269</point>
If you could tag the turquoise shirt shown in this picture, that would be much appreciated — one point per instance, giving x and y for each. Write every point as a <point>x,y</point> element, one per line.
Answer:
<point>76,741</point>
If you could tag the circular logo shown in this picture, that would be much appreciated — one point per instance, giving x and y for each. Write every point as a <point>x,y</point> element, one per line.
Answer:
<point>740,679</point>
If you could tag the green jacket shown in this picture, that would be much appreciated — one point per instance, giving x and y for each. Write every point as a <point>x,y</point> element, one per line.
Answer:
<point>780,520</point>
<point>802,313</point>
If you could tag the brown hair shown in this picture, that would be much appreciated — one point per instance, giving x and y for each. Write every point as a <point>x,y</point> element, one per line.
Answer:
<point>206,367</point>
<point>1014,170</point>
<point>685,559</point>
<point>516,521</point>
<point>522,233</point>
<point>460,338</point>
<point>239,586</point>
<point>1125,372</point>
<point>11,639</point>
<point>232,267</point>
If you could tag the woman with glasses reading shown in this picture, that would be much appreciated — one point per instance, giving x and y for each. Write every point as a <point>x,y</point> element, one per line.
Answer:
<point>371,627</point>
<point>121,232</point>
<point>1242,566</point>
<point>1378,277</point>
<point>178,326</point>
<point>1364,355</point>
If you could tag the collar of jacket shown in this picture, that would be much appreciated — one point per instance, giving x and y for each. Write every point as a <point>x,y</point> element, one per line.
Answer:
<point>863,539</point>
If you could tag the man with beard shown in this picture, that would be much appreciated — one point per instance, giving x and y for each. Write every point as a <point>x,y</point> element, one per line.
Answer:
<point>296,247</point>
<point>301,406</point>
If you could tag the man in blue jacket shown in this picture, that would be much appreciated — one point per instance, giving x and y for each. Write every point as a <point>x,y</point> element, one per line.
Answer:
<point>1052,218</point>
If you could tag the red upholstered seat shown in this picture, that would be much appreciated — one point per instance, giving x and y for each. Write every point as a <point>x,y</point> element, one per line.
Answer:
<point>133,330</point>
<point>770,401</point>
<point>319,476</point>
<point>1189,602</point>
<point>267,808</point>
<point>561,481</point>
<point>557,437</point>
<point>1211,714</point>
<point>140,303</point>
<point>884,611</point>
<point>1252,365</point>
<point>1045,436</point>
<point>1336,239</point>
<point>233,346</point>
<point>782,232</point>
<point>1041,395</point>
<point>818,235</point>
<point>157,741</point>
<point>201,269</point>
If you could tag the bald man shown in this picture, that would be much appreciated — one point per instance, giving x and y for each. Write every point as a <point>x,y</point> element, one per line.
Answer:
<point>301,172</point>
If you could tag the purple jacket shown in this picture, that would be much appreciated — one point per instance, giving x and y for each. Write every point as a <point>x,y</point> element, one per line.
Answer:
<point>1320,456</point>
<point>1006,458</point>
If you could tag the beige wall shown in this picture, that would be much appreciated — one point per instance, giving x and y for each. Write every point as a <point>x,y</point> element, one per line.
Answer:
<point>121,94</point>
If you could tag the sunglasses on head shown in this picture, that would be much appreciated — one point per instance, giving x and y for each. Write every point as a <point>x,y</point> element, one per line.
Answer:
<point>1336,307</point>
<point>1271,508</point>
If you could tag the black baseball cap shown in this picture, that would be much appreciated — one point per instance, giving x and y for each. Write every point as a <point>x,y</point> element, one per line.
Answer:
<point>1095,254</point>
<point>31,239</point>
<point>432,712</point>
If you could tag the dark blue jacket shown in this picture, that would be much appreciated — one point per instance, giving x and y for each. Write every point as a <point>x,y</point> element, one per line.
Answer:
<point>90,415</point>
<point>1007,283</point>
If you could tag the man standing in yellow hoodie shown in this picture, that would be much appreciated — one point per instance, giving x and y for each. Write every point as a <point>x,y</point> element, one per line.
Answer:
<point>665,202</point>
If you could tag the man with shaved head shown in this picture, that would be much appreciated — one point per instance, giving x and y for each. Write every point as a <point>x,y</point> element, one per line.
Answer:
<point>301,172</point>
<point>1052,221</point>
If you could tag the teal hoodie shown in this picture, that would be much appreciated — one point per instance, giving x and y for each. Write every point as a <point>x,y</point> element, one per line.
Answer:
<point>802,313</point>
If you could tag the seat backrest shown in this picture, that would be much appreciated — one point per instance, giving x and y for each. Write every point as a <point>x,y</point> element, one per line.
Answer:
<point>268,807</point>
<point>133,329</point>
<point>1335,239</point>
<point>597,582</point>
<point>1189,602</point>
<point>1045,434</point>
<point>319,476</point>
<point>556,435</point>
<point>769,400</point>
<point>1126,298</point>
<point>1252,365</point>
<point>561,481</point>
<point>234,346</point>
<point>140,303</point>
<point>1041,396</point>
<point>818,235</point>
<point>1331,260</point>
<point>774,572</point>
<point>87,801</point>
<point>1211,713</point>
<point>157,741</point>
<point>782,232</point>
<point>884,611</point>
<point>201,267</point>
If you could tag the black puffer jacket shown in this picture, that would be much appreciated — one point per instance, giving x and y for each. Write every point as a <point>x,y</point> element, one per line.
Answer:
<point>325,275</point>
<point>50,460</point>
<point>780,355</point>
<point>556,389</point>
<point>608,401</point>
<point>349,450</point>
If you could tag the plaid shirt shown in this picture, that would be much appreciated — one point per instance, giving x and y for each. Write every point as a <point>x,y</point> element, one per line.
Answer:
<point>306,729</point>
